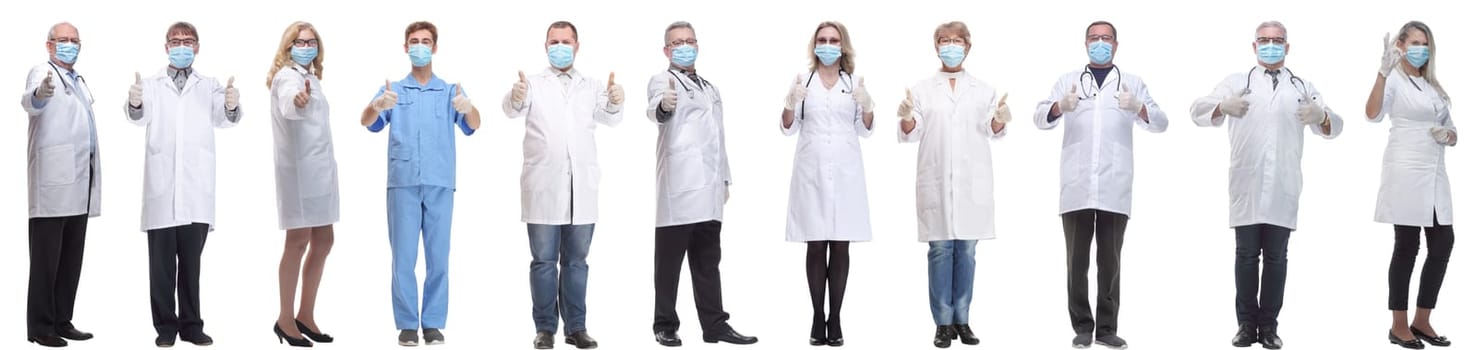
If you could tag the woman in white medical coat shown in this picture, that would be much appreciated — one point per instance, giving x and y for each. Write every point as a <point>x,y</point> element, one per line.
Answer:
<point>953,117</point>
<point>307,177</point>
<point>828,194</point>
<point>1414,193</point>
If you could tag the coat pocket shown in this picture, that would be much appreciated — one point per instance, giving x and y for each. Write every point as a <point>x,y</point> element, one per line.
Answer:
<point>58,165</point>
<point>686,172</point>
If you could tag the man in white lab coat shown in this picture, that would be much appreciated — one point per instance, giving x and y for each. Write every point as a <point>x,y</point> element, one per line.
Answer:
<point>560,177</point>
<point>180,107</point>
<point>692,186</point>
<point>1100,105</point>
<point>1269,107</point>
<point>64,185</point>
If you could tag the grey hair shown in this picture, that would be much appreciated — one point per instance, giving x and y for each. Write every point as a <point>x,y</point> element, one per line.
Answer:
<point>676,25</point>
<point>1274,24</point>
<point>51,33</point>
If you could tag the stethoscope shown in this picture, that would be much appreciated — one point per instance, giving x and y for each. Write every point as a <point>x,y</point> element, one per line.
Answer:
<point>701,82</point>
<point>846,89</point>
<point>67,86</point>
<point>1298,83</point>
<point>1119,81</point>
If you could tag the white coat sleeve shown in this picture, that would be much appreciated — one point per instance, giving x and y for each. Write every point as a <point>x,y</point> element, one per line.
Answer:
<point>1158,121</point>
<point>522,110</point>
<point>655,87</point>
<point>918,118</point>
<point>285,88</point>
<point>28,98</point>
<point>1336,124</point>
<point>605,112</point>
<point>723,144</point>
<point>1041,116</point>
<point>222,117</point>
<point>1388,92</point>
<point>1204,107</point>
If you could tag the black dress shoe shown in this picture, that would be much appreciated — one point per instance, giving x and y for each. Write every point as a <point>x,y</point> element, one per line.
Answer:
<point>834,332</point>
<point>544,340</point>
<point>730,336</point>
<point>199,339</point>
<point>668,338</point>
<point>818,333</point>
<point>48,341</point>
<point>1268,336</point>
<point>1409,344</point>
<point>71,333</point>
<point>943,335</point>
<point>1246,335</point>
<point>1435,340</point>
<point>581,340</point>
<point>296,342</point>
<point>967,336</point>
<point>164,341</point>
<point>317,337</point>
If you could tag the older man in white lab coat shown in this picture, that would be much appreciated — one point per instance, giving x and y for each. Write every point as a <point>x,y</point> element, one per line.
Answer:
<point>692,186</point>
<point>561,108</point>
<point>1269,107</point>
<point>64,186</point>
<point>1101,106</point>
<point>180,108</point>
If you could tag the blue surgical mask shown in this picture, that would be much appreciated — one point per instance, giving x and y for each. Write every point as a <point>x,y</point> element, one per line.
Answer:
<point>304,55</point>
<point>181,56</point>
<point>561,56</point>
<point>952,55</point>
<point>1100,52</point>
<point>67,52</point>
<point>828,54</point>
<point>420,55</point>
<point>1415,55</point>
<point>1270,53</point>
<point>684,56</point>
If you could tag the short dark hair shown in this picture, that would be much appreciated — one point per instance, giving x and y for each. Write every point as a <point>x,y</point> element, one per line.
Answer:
<point>419,26</point>
<point>563,24</point>
<point>182,28</point>
<point>1113,30</point>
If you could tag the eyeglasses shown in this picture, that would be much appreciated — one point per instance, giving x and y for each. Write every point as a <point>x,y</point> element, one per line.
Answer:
<point>183,42</point>
<point>680,42</point>
<point>67,40</point>
<point>305,43</point>
<point>950,40</point>
<point>1103,37</point>
<point>1271,40</point>
<point>825,41</point>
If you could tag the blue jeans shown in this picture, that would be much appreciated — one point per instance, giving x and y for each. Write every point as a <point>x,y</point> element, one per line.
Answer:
<point>951,280</point>
<point>559,292</point>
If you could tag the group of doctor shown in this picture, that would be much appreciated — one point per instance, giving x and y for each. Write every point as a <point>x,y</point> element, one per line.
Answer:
<point>952,115</point>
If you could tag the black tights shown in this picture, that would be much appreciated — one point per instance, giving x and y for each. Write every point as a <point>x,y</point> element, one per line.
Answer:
<point>819,271</point>
<point>1403,262</point>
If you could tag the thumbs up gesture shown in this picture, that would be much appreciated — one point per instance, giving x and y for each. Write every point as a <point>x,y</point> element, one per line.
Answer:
<point>136,92</point>
<point>864,100</point>
<point>796,95</point>
<point>905,109</point>
<point>461,103</point>
<point>1130,103</point>
<point>520,90</point>
<point>669,97</point>
<point>614,93</point>
<point>301,100</point>
<point>233,98</point>
<point>1068,102</point>
<point>47,89</point>
<point>1003,113</point>
<point>386,100</point>
<point>1309,112</point>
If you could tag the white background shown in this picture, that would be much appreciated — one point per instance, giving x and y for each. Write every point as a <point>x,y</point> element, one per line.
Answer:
<point>1177,279</point>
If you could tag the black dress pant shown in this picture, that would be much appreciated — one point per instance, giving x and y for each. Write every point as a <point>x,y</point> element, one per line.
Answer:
<point>56,267</point>
<point>700,242</point>
<point>1259,301</point>
<point>1403,261</point>
<point>174,269</point>
<point>1081,229</point>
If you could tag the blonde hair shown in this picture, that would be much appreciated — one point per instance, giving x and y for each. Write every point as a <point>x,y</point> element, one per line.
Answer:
<point>846,60</point>
<point>956,27</point>
<point>284,55</point>
<point>1429,70</point>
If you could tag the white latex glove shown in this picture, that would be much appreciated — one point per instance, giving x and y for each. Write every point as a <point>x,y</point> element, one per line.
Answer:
<point>1131,103</point>
<point>1310,113</point>
<point>1003,113</point>
<point>1068,102</point>
<point>1391,59</point>
<point>796,95</point>
<point>905,108</point>
<point>386,100</point>
<point>1234,106</point>
<point>136,92</point>
<point>864,100</point>
<point>1444,135</point>
<point>461,103</point>
<point>615,95</point>
<point>233,97</point>
<point>669,97</point>
<point>520,90</point>
<point>46,90</point>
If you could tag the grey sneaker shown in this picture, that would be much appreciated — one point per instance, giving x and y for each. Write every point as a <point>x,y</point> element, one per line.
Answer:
<point>1083,341</point>
<point>1112,342</point>
<point>433,336</point>
<point>408,337</point>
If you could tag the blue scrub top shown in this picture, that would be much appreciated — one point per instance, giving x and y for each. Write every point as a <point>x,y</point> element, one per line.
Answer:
<point>422,151</point>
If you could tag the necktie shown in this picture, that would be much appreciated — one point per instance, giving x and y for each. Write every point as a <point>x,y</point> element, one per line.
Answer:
<point>180,77</point>
<point>1274,74</point>
<point>692,74</point>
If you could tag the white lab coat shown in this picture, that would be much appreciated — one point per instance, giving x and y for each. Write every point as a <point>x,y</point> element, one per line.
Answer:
<point>828,192</point>
<point>1265,176</point>
<point>955,188</point>
<point>307,172</point>
<point>180,156</point>
<point>692,161</point>
<point>1413,182</point>
<point>1097,170</point>
<point>559,160</point>
<point>59,155</point>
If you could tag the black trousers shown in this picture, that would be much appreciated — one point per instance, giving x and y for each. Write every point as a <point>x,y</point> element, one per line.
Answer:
<point>1081,229</point>
<point>1260,307</point>
<point>1403,261</point>
<point>56,267</point>
<point>174,268</point>
<point>700,242</point>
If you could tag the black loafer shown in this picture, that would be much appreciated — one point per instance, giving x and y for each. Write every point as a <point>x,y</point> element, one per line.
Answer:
<point>668,338</point>
<point>730,336</point>
<point>1434,340</point>
<point>1246,335</point>
<point>71,333</point>
<point>48,341</point>
<point>1268,336</point>
<point>581,340</point>
<point>164,341</point>
<point>1409,344</point>
<point>199,339</point>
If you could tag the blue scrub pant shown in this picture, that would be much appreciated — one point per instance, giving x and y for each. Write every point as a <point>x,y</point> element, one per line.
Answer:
<point>424,211</point>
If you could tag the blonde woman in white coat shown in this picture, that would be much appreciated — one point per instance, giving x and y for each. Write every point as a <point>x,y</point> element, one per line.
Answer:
<point>953,117</point>
<point>1414,193</point>
<point>307,178</point>
<point>828,193</point>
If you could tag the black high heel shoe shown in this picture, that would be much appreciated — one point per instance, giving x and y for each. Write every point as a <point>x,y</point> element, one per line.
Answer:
<point>1409,344</point>
<point>318,337</point>
<point>298,342</point>
<point>834,333</point>
<point>818,334</point>
<point>1435,340</point>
